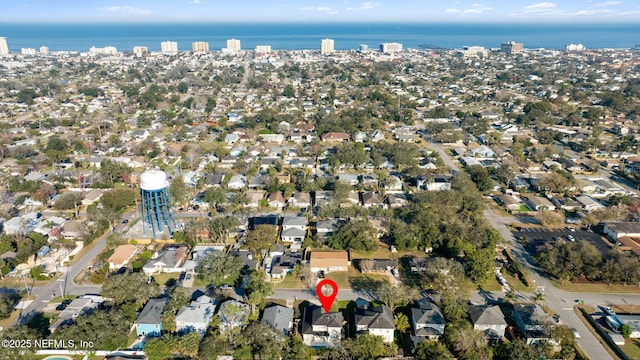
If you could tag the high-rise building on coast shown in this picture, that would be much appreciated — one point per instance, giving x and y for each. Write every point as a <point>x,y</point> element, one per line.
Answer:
<point>263,49</point>
<point>4,46</point>
<point>200,46</point>
<point>327,46</point>
<point>44,50</point>
<point>511,47</point>
<point>363,48</point>
<point>28,51</point>
<point>139,50</point>
<point>169,47</point>
<point>233,45</point>
<point>389,48</point>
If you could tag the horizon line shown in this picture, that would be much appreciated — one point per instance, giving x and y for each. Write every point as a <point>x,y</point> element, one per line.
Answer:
<point>312,22</point>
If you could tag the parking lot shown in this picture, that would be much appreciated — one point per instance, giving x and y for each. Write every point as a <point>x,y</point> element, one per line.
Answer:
<point>542,235</point>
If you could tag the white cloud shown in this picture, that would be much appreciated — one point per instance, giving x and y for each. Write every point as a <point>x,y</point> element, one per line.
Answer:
<point>365,6</point>
<point>369,5</point>
<point>607,4</point>
<point>539,7</point>
<point>197,2</point>
<point>315,8</point>
<point>128,10</point>
<point>589,12</point>
<point>474,9</point>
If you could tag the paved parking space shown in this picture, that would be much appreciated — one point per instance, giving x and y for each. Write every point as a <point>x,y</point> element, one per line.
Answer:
<point>542,235</point>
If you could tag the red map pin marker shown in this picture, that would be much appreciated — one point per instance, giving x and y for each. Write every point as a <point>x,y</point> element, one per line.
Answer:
<point>327,300</point>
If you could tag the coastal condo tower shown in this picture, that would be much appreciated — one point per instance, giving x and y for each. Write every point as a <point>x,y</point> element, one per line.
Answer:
<point>4,46</point>
<point>200,46</point>
<point>327,46</point>
<point>169,47</point>
<point>233,45</point>
<point>511,47</point>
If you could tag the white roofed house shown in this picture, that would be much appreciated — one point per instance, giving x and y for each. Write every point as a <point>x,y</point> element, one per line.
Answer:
<point>588,203</point>
<point>196,316</point>
<point>294,229</point>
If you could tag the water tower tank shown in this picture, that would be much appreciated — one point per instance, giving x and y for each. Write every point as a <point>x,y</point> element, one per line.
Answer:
<point>156,203</point>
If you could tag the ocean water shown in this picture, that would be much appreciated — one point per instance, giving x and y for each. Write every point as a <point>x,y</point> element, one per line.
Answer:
<point>297,36</point>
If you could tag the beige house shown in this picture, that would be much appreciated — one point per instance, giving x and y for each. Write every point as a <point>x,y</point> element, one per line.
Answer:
<point>328,261</point>
<point>121,256</point>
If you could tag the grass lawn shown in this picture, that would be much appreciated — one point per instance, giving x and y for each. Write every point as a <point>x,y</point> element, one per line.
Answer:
<point>491,284</point>
<point>289,282</point>
<point>164,277</point>
<point>631,347</point>
<point>340,277</point>
<point>515,283</point>
<point>132,338</point>
<point>596,287</point>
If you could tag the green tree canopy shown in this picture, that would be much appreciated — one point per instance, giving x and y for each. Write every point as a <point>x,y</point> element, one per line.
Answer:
<point>218,268</point>
<point>356,235</point>
<point>130,287</point>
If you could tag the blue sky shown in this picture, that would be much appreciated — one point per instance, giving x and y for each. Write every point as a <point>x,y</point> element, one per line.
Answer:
<point>560,11</point>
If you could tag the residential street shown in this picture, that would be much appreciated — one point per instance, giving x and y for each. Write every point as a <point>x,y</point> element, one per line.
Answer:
<point>559,301</point>
<point>65,283</point>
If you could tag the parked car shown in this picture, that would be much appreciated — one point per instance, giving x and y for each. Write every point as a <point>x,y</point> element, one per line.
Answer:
<point>571,238</point>
<point>321,274</point>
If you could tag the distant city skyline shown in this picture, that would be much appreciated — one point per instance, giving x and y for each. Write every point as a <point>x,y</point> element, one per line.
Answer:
<point>148,11</point>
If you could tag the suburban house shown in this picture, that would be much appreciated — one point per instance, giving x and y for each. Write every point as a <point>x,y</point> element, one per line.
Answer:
<point>488,319</point>
<point>377,321</point>
<point>196,316</point>
<point>280,318</point>
<point>319,329</point>
<point>282,264</point>
<point>276,200</point>
<point>121,256</point>
<point>509,202</point>
<point>233,314</point>
<point>428,322</point>
<point>300,199</point>
<point>397,200</point>
<point>237,182</point>
<point>149,322</point>
<point>326,228</point>
<point>336,137</point>
<point>376,266</point>
<point>372,199</point>
<point>294,229</point>
<point>538,203</point>
<point>589,204</point>
<point>328,261</point>
<point>167,260</point>
<point>617,229</point>
<point>533,323</point>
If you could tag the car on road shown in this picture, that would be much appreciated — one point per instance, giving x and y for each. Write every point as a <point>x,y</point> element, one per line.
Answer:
<point>188,278</point>
<point>575,332</point>
<point>395,272</point>
<point>571,238</point>
<point>125,221</point>
<point>321,274</point>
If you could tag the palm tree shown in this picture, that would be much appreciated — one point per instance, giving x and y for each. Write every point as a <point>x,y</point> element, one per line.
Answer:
<point>538,297</point>
<point>510,297</point>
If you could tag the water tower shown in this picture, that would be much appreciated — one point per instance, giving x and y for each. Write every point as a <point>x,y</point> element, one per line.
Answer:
<point>156,203</point>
